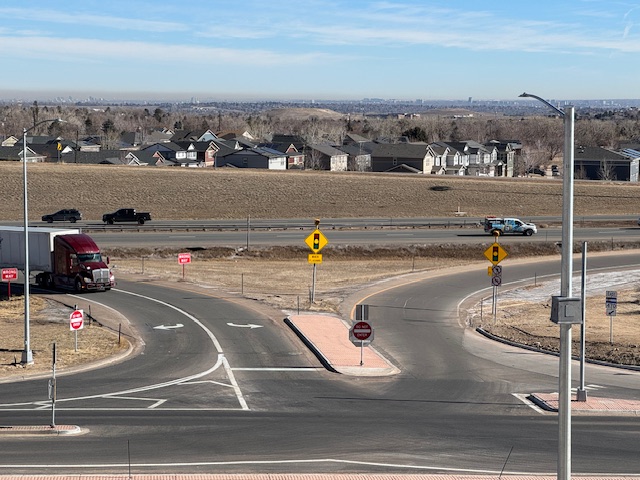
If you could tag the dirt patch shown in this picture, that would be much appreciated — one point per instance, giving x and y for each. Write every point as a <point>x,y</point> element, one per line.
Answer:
<point>611,339</point>
<point>50,323</point>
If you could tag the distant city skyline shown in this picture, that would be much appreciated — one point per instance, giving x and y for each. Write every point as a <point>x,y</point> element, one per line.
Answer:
<point>322,50</point>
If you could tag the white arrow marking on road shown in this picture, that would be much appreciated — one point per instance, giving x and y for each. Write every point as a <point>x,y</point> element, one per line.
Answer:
<point>168,327</point>
<point>248,325</point>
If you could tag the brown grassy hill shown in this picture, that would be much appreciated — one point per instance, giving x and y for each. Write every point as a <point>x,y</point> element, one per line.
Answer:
<point>179,193</point>
<point>302,114</point>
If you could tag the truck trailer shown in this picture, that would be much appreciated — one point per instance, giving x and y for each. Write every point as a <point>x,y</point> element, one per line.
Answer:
<point>62,258</point>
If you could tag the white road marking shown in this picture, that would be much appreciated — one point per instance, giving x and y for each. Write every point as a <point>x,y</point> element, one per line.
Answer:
<point>523,398</point>
<point>279,369</point>
<point>221,361</point>
<point>268,462</point>
<point>168,327</point>
<point>246,325</point>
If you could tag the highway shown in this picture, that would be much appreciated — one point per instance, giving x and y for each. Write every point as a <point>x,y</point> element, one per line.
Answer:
<point>372,231</point>
<point>341,231</point>
<point>214,396</point>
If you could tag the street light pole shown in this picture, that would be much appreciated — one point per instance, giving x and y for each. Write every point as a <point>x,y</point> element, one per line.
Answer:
<point>566,274</point>
<point>27,354</point>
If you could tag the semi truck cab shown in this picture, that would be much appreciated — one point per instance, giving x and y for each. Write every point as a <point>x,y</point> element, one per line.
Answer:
<point>77,265</point>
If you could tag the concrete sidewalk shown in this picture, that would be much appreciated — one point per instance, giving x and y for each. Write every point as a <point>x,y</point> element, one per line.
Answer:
<point>309,476</point>
<point>593,404</point>
<point>328,337</point>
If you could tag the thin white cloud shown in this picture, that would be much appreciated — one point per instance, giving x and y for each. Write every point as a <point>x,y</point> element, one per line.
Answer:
<point>97,51</point>
<point>90,20</point>
<point>377,24</point>
<point>475,31</point>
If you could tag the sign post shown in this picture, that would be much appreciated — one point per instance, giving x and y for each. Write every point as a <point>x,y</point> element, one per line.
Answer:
<point>360,333</point>
<point>52,387</point>
<point>183,259</point>
<point>611,305</point>
<point>495,254</point>
<point>316,242</point>
<point>9,274</point>
<point>76,322</point>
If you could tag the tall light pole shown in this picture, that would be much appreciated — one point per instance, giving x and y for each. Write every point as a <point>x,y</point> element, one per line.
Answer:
<point>27,354</point>
<point>566,305</point>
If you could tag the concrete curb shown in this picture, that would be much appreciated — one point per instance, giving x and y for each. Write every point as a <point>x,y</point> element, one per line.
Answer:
<point>40,430</point>
<point>319,355</point>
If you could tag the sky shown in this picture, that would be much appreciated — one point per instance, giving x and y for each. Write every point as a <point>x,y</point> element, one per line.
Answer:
<point>320,50</point>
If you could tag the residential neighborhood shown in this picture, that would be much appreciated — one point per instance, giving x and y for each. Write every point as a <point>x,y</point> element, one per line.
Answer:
<point>226,149</point>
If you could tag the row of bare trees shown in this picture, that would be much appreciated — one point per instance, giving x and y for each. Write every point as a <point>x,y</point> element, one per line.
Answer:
<point>542,137</point>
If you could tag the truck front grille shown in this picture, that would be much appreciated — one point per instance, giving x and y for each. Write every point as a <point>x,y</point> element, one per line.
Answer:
<point>101,275</point>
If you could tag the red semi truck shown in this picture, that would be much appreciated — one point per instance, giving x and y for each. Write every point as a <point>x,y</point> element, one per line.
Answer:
<point>62,258</point>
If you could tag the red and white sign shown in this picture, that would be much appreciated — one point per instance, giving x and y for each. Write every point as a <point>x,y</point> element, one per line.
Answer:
<point>184,258</point>
<point>9,274</point>
<point>361,330</point>
<point>76,320</point>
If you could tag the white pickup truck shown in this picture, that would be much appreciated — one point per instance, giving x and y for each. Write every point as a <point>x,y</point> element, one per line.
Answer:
<point>501,226</point>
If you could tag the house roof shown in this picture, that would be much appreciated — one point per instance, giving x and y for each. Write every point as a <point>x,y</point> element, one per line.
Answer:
<point>327,150</point>
<point>597,153</point>
<point>296,140</point>
<point>193,135</point>
<point>143,156</point>
<point>112,157</point>
<point>158,136</point>
<point>351,138</point>
<point>198,146</point>
<point>164,146</point>
<point>404,150</point>
<point>354,149</point>
<point>269,152</point>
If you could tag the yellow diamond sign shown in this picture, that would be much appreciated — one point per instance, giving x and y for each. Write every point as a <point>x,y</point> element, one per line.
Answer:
<point>316,241</point>
<point>495,253</point>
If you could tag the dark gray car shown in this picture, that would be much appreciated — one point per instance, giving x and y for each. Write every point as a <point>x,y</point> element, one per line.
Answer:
<point>66,215</point>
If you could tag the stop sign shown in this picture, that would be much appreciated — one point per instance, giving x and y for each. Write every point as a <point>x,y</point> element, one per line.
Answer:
<point>76,320</point>
<point>361,330</point>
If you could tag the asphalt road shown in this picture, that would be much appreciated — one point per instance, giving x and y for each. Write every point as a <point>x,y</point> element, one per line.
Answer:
<point>215,395</point>
<point>369,231</point>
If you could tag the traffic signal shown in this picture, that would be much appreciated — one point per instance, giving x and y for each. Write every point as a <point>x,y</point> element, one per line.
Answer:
<point>495,253</point>
<point>316,241</point>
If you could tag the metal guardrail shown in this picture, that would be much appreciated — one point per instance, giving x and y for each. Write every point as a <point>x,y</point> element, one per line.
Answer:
<point>328,224</point>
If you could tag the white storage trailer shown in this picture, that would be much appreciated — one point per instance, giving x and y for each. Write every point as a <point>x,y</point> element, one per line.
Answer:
<point>40,247</point>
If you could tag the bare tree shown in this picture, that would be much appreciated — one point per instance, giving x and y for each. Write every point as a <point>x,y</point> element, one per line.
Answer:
<point>607,171</point>
<point>313,159</point>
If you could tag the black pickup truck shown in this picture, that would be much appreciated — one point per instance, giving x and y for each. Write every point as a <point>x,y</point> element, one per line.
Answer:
<point>126,215</point>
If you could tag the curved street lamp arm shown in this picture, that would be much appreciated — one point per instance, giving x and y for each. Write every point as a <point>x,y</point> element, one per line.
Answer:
<point>525,94</point>
<point>53,120</point>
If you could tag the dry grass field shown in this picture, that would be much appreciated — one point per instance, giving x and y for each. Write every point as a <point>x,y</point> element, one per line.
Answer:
<point>178,193</point>
<point>281,278</point>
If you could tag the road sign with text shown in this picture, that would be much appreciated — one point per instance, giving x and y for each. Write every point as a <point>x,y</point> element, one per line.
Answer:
<point>611,302</point>
<point>76,320</point>
<point>9,274</point>
<point>184,258</point>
